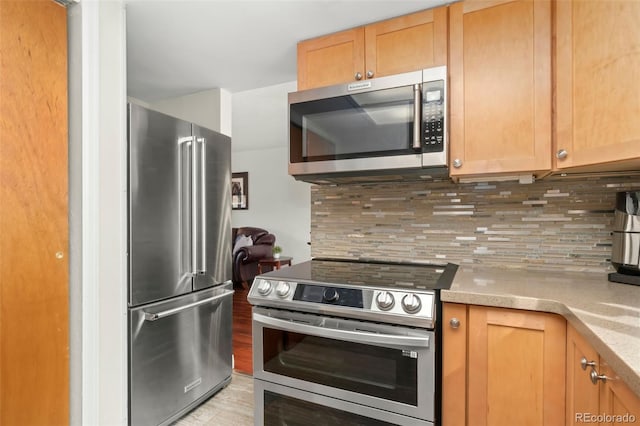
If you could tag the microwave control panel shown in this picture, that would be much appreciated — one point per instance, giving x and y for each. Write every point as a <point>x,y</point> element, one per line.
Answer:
<point>433,116</point>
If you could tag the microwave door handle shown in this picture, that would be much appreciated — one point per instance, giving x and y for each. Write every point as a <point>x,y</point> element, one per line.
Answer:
<point>387,340</point>
<point>417,116</point>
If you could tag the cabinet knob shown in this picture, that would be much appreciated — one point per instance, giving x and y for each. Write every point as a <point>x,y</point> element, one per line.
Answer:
<point>561,154</point>
<point>358,76</point>
<point>454,322</point>
<point>584,363</point>
<point>595,377</point>
<point>369,74</point>
<point>457,163</point>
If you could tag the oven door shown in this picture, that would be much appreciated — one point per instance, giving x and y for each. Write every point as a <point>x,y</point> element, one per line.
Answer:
<point>383,366</point>
<point>282,405</point>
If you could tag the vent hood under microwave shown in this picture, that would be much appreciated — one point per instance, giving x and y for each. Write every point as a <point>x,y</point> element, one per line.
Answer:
<point>386,128</point>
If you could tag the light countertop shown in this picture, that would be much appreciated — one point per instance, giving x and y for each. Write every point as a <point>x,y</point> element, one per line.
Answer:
<point>606,314</point>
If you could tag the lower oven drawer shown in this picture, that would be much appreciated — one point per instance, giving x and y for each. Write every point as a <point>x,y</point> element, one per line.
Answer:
<point>277,405</point>
<point>386,367</point>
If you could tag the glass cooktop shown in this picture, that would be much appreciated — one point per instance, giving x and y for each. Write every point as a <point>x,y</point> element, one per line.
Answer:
<point>369,273</point>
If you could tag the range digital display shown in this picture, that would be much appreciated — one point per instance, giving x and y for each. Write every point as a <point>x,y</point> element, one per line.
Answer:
<point>351,297</point>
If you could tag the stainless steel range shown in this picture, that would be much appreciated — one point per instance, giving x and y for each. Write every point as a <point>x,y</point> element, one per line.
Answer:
<point>348,342</point>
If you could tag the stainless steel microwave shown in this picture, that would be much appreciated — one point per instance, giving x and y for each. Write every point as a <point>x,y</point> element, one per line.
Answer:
<point>387,125</point>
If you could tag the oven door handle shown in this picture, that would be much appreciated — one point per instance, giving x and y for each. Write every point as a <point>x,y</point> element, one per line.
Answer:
<point>390,340</point>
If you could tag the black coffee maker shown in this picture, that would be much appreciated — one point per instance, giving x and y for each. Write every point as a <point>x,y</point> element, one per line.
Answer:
<point>625,255</point>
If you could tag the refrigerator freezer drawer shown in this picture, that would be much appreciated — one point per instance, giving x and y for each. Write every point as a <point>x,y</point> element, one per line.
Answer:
<point>180,351</point>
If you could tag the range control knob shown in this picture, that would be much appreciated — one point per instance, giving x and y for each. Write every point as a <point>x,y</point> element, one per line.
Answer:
<point>330,295</point>
<point>411,303</point>
<point>283,289</point>
<point>264,287</point>
<point>385,300</point>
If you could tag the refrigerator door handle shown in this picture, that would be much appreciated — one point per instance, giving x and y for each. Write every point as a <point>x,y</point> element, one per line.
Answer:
<point>188,244</point>
<point>201,257</point>
<point>149,316</point>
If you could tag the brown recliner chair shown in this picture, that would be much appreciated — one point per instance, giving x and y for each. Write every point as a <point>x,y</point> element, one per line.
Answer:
<point>245,259</point>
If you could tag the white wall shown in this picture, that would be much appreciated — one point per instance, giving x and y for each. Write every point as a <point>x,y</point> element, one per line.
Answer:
<point>209,108</point>
<point>259,146</point>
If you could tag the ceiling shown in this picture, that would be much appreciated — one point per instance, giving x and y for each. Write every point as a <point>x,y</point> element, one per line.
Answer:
<point>178,47</point>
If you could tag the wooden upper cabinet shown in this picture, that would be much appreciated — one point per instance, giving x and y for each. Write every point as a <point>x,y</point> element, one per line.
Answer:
<point>407,43</point>
<point>331,59</point>
<point>500,95</point>
<point>598,84</point>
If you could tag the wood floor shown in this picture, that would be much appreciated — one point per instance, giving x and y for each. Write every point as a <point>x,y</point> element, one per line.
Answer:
<point>242,352</point>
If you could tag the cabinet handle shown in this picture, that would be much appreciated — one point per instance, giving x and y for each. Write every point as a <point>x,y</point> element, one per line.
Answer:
<point>595,377</point>
<point>454,322</point>
<point>561,154</point>
<point>369,74</point>
<point>584,363</point>
<point>457,163</point>
<point>358,76</point>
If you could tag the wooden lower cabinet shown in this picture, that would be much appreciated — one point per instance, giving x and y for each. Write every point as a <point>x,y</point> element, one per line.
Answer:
<point>609,401</point>
<point>515,367</point>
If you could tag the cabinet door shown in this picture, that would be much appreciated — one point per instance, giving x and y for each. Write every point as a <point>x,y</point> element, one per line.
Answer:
<point>500,69</point>
<point>598,83</point>
<point>331,59</point>
<point>407,43</point>
<point>34,234</point>
<point>582,394</point>
<point>454,364</point>
<point>616,399</point>
<point>516,367</point>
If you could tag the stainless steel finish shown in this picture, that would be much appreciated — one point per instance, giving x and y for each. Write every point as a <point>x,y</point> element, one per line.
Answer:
<point>424,317</point>
<point>433,164</point>
<point>378,339</point>
<point>370,74</point>
<point>385,300</point>
<point>417,116</point>
<point>623,222</point>
<point>166,377</point>
<point>179,265</point>
<point>562,154</point>
<point>362,164</point>
<point>264,287</point>
<point>215,250</point>
<point>454,322</point>
<point>358,76</point>
<point>411,303</point>
<point>157,261</point>
<point>283,289</point>
<point>148,316</point>
<point>595,377</point>
<point>260,387</point>
<point>196,236</point>
<point>457,163</point>
<point>370,333</point>
<point>626,249</point>
<point>584,363</point>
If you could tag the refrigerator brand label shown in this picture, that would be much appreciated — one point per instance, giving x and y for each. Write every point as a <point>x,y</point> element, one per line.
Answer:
<point>193,385</point>
<point>358,86</point>
<point>410,354</point>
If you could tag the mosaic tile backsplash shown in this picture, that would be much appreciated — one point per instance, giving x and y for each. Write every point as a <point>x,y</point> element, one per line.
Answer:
<point>548,225</point>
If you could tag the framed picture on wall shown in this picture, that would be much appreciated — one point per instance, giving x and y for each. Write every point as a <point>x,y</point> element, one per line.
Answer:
<point>240,191</point>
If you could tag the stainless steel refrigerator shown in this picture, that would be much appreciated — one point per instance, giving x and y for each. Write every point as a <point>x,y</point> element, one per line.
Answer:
<point>180,291</point>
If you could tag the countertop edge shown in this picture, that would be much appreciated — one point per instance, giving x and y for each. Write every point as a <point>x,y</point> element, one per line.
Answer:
<point>623,370</point>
